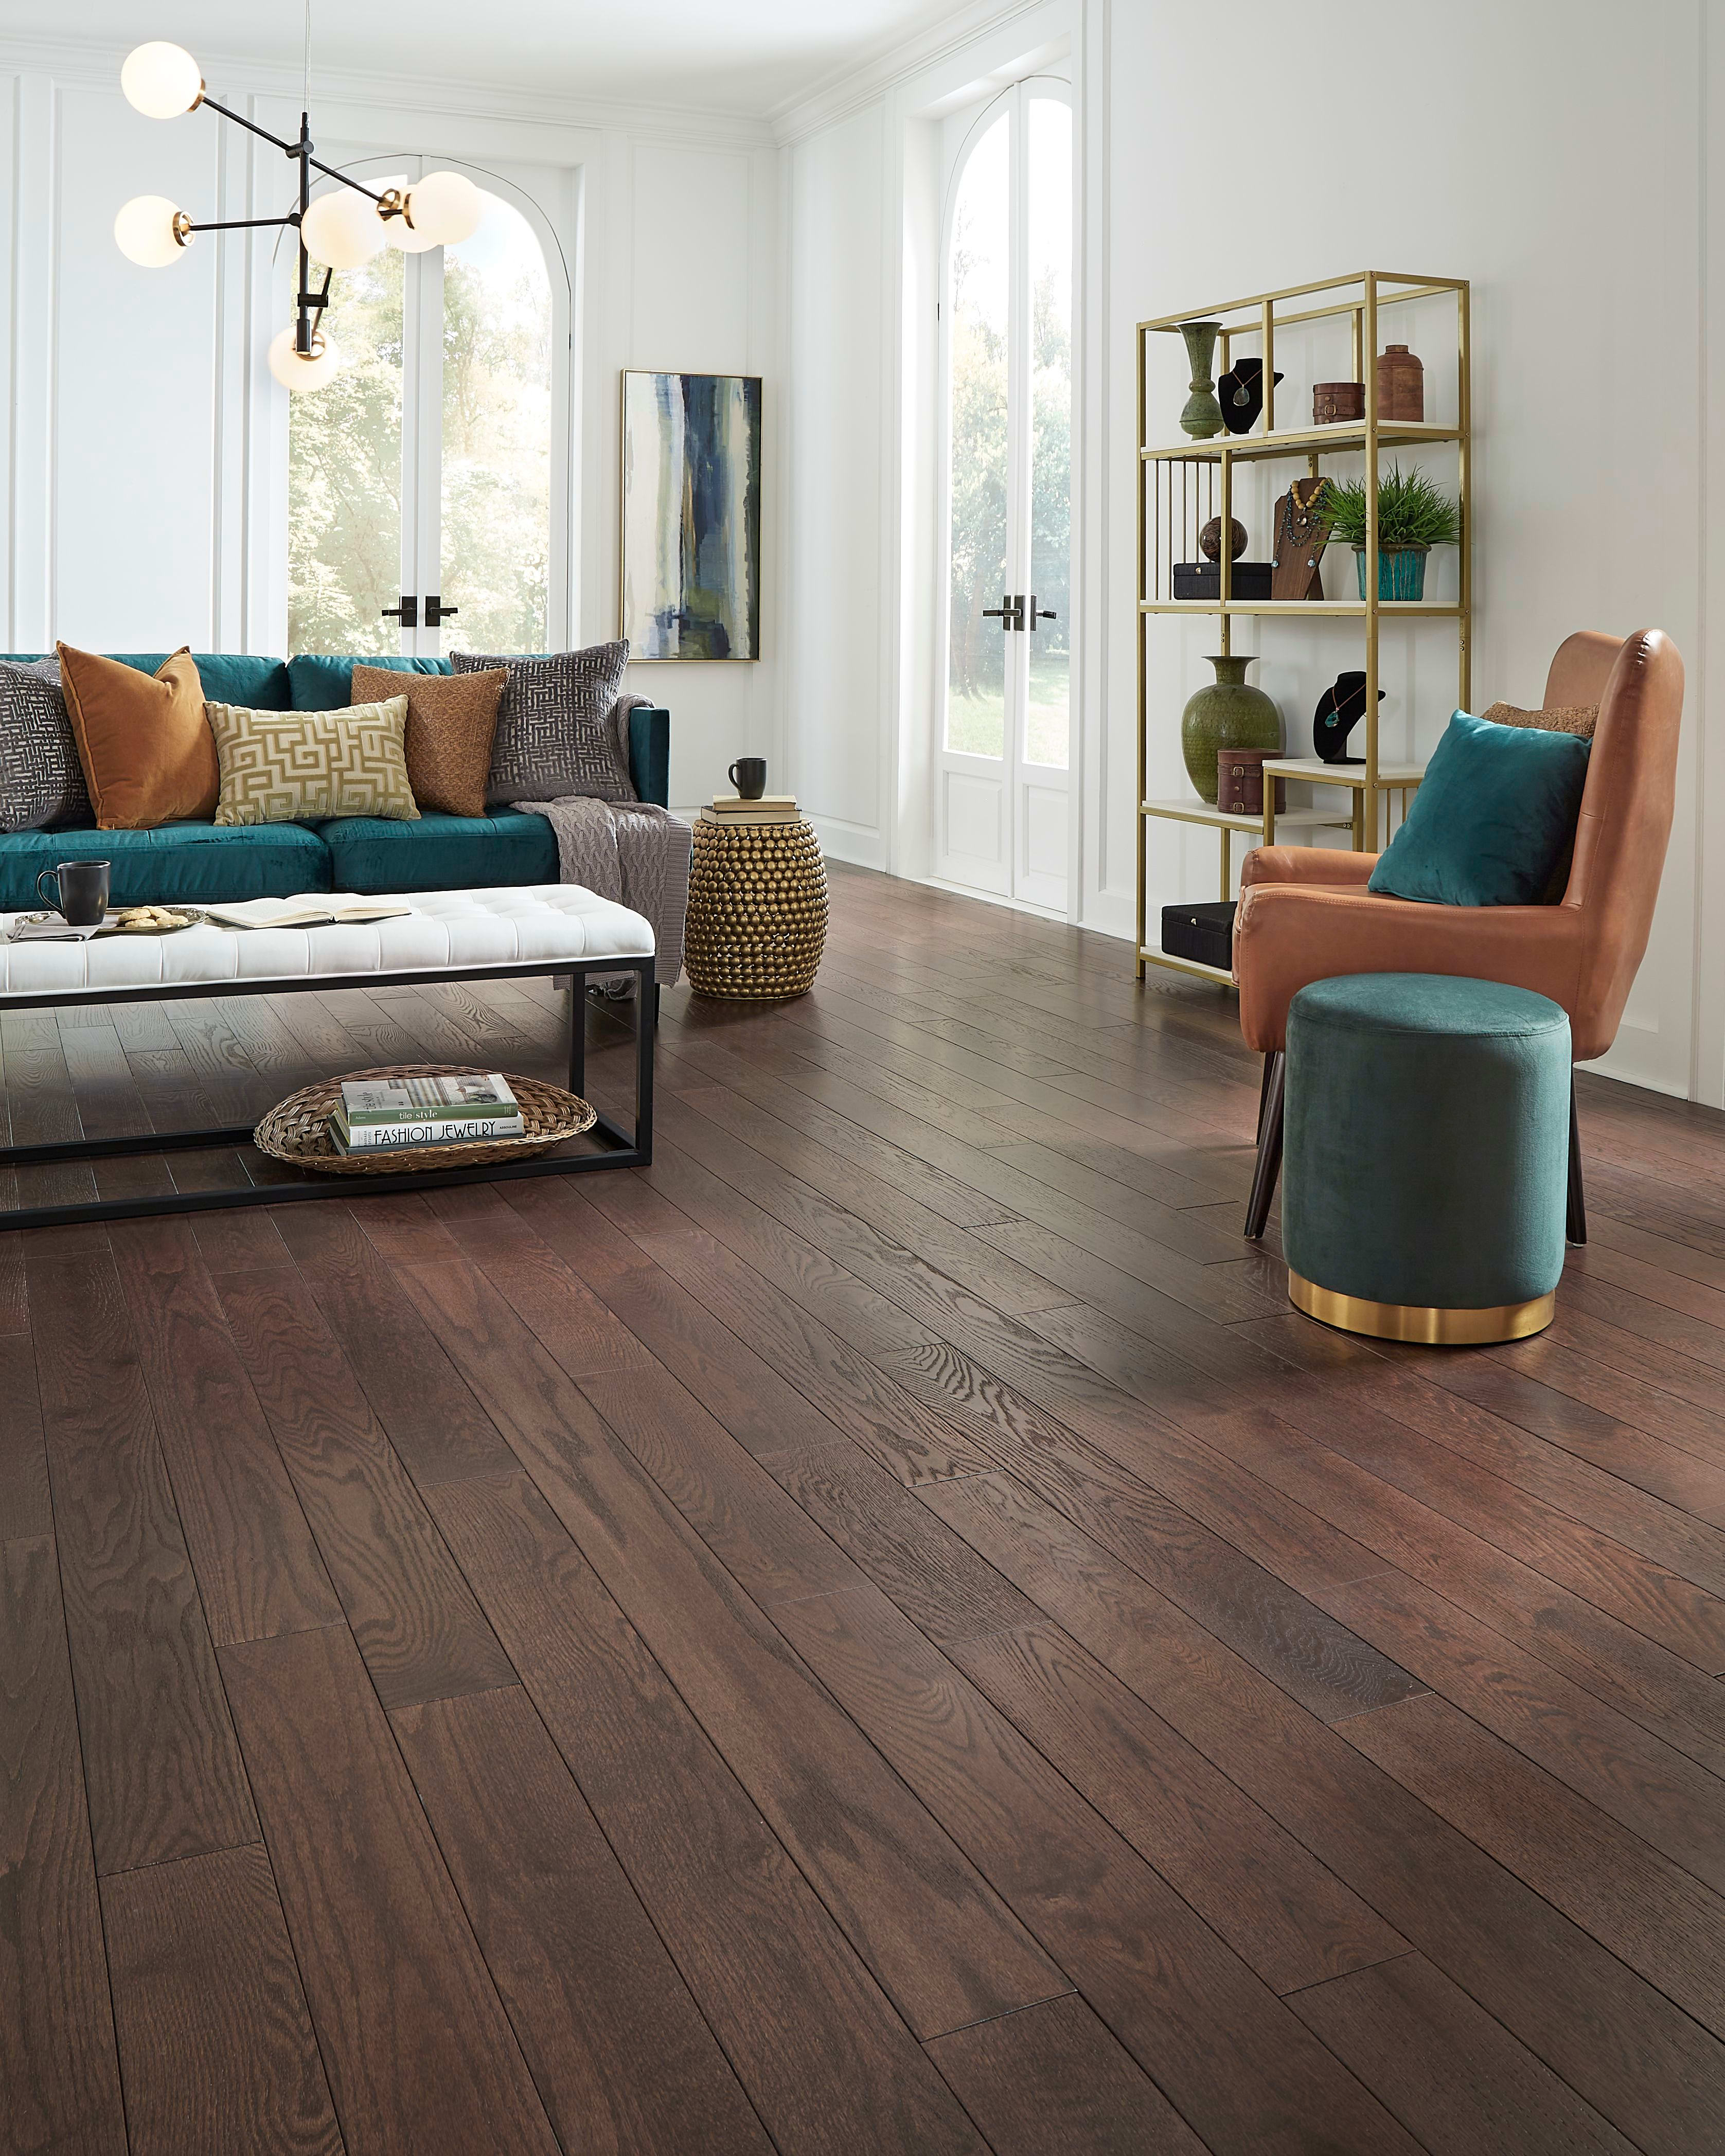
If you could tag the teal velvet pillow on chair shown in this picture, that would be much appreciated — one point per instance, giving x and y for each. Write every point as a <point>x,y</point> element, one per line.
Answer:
<point>1493,822</point>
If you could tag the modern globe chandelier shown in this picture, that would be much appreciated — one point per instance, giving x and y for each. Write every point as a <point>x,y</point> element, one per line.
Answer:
<point>341,230</point>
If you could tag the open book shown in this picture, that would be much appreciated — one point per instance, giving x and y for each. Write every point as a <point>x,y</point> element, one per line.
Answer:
<point>318,912</point>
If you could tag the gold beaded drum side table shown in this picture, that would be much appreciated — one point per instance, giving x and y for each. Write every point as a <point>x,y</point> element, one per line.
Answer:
<point>757,909</point>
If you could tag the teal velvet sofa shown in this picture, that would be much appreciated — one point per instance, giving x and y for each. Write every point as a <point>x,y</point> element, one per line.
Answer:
<point>207,863</point>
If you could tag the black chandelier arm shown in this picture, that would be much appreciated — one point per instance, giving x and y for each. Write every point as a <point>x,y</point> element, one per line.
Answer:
<point>297,149</point>
<point>330,172</point>
<point>239,224</point>
<point>239,120</point>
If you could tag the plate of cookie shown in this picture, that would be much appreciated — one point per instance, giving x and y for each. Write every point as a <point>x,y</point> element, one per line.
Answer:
<point>145,920</point>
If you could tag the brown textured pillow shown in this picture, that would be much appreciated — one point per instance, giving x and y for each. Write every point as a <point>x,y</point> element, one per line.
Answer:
<point>1577,719</point>
<point>147,751</point>
<point>451,720</point>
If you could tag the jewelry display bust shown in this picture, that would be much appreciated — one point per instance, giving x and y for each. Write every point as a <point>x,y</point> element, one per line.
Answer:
<point>1301,531</point>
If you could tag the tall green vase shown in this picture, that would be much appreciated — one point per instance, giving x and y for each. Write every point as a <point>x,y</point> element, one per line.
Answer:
<point>1202,415</point>
<point>1226,713</point>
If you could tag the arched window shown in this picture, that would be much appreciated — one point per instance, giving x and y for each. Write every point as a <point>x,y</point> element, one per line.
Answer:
<point>424,470</point>
<point>1003,748</point>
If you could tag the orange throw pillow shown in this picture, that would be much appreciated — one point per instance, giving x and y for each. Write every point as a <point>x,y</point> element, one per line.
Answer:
<point>451,719</point>
<point>146,747</point>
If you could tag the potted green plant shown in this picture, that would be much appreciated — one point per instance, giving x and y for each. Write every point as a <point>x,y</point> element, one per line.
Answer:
<point>1413,516</point>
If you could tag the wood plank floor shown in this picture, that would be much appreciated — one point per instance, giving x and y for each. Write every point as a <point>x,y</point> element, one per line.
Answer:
<point>881,1633</point>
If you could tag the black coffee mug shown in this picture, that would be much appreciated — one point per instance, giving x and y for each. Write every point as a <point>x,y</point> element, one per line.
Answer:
<point>748,775</point>
<point>81,890</point>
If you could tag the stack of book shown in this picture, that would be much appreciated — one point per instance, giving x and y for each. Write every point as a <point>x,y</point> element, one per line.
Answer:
<point>376,1115</point>
<point>770,809</point>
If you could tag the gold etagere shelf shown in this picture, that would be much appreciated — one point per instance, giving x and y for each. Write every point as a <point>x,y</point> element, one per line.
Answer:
<point>1205,471</point>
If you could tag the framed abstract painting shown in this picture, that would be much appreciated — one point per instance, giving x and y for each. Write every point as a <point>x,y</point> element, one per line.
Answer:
<point>691,571</point>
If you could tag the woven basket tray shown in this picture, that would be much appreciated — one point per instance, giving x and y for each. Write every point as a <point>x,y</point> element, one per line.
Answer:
<point>296,1130</point>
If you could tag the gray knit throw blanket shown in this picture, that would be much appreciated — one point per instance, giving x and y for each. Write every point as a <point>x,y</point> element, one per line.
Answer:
<point>633,852</point>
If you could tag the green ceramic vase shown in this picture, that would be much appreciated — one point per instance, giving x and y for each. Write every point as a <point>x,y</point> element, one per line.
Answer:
<point>1226,713</point>
<point>1201,416</point>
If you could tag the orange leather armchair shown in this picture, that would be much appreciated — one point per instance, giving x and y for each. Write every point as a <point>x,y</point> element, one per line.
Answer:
<point>1305,914</point>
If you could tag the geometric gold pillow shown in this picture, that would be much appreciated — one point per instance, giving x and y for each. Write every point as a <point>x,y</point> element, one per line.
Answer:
<point>297,766</point>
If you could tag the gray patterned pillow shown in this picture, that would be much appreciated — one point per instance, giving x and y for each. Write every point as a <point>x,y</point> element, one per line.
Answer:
<point>41,779</point>
<point>555,734</point>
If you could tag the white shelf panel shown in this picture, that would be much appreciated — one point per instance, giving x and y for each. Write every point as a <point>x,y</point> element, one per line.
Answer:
<point>1225,819</point>
<point>1316,772</point>
<point>1301,441</point>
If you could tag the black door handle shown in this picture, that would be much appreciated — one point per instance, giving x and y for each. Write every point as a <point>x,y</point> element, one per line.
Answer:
<point>436,610</point>
<point>1009,614</point>
<point>407,614</point>
<point>1040,613</point>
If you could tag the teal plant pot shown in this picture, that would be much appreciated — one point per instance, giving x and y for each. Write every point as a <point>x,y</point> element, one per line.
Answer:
<point>1401,572</point>
<point>1226,713</point>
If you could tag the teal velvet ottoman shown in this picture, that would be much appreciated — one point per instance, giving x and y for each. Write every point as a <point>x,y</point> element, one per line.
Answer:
<point>1426,1170</point>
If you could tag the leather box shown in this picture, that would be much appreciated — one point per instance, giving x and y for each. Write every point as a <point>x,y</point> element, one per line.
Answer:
<point>1204,933</point>
<point>1240,781</point>
<point>1203,580</point>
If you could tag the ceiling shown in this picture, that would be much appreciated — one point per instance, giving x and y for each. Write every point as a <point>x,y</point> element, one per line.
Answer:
<point>735,56</point>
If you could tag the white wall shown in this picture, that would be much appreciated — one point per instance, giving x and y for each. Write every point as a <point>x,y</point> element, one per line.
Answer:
<point>838,736</point>
<point>1553,153</point>
<point>145,460</point>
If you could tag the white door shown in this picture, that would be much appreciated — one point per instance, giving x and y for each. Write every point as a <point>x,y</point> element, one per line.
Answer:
<point>1001,757</point>
<point>421,512</point>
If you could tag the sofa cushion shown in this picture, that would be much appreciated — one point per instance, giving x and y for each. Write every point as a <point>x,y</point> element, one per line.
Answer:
<point>308,767</point>
<point>41,780</point>
<point>175,864</point>
<point>555,732</point>
<point>451,720</point>
<point>321,681</point>
<point>229,677</point>
<point>1493,822</point>
<point>142,739</point>
<point>439,853</point>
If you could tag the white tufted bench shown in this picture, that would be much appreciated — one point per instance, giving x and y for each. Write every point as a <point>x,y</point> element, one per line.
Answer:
<point>479,935</point>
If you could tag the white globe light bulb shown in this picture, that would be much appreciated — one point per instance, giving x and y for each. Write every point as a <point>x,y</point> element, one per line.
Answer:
<point>342,230</point>
<point>294,372</point>
<point>406,239</point>
<point>445,209</point>
<point>146,232</point>
<point>162,80</point>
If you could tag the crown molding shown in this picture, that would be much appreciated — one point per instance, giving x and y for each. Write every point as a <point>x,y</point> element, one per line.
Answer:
<point>847,89</point>
<point>85,61</point>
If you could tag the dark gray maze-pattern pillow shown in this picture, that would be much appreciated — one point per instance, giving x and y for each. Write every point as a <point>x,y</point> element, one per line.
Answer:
<point>41,780</point>
<point>555,734</point>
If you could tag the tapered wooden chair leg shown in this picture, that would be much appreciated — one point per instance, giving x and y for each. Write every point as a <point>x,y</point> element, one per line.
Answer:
<point>1269,1147</point>
<point>1575,1228</point>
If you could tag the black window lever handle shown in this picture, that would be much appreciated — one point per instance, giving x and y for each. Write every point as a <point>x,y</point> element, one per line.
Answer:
<point>1040,613</point>
<point>1009,614</point>
<point>436,610</point>
<point>407,612</point>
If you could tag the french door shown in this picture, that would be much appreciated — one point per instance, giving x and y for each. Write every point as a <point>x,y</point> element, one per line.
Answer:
<point>421,511</point>
<point>1002,755</point>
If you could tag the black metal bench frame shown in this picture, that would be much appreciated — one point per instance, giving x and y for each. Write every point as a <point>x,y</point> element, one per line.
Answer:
<point>621,1149</point>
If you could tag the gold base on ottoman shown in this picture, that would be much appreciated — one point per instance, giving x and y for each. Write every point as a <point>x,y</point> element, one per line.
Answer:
<point>757,909</point>
<point>1430,1327</point>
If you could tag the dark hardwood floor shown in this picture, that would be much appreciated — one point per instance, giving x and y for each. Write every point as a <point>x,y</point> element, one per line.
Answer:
<point>881,1633</point>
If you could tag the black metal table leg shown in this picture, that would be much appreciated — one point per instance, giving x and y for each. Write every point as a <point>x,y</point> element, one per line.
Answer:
<point>1269,1167</point>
